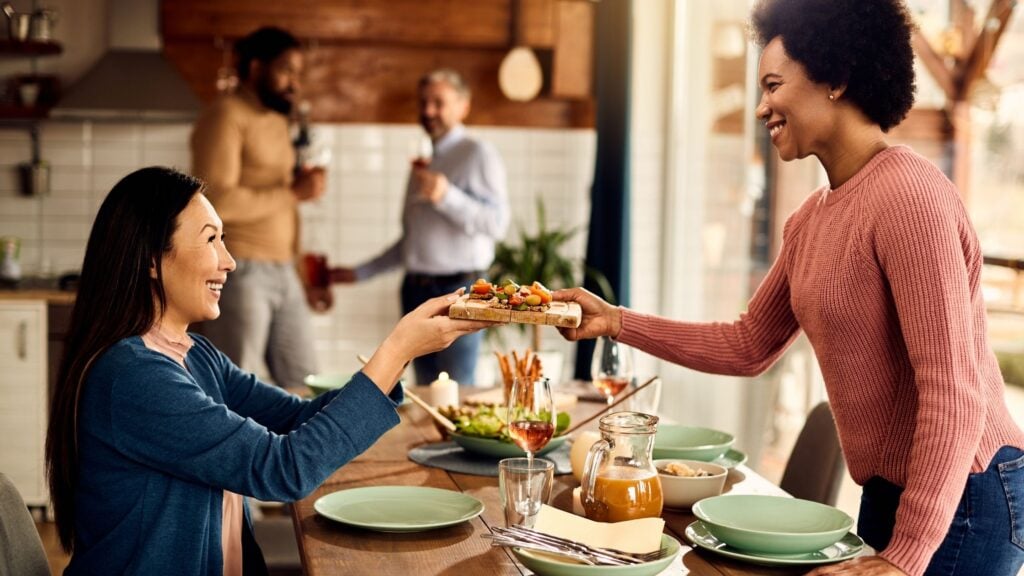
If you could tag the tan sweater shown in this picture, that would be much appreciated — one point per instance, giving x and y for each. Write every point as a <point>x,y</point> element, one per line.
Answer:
<point>244,153</point>
<point>883,275</point>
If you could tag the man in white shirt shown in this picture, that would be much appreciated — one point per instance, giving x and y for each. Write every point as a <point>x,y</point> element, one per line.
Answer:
<point>456,209</point>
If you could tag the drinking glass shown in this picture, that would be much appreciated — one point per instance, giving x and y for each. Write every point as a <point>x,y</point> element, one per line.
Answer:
<point>421,149</point>
<point>315,270</point>
<point>524,486</point>
<point>645,401</point>
<point>531,414</point>
<point>612,367</point>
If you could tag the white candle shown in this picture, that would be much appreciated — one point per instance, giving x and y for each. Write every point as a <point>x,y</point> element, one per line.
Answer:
<point>577,504</point>
<point>444,391</point>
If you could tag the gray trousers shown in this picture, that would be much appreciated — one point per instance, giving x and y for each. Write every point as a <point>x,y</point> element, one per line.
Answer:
<point>264,324</point>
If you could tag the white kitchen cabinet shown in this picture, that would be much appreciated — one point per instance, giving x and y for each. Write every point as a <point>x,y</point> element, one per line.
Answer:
<point>23,396</point>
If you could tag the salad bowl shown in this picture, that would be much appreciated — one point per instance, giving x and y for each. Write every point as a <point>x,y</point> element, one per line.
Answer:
<point>498,448</point>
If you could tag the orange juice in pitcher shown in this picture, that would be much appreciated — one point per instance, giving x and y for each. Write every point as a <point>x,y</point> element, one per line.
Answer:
<point>620,481</point>
<point>622,493</point>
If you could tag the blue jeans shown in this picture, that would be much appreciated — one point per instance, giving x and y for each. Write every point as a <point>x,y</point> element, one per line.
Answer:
<point>987,532</point>
<point>459,359</point>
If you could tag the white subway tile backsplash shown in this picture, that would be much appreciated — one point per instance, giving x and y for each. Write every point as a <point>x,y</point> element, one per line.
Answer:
<point>358,219</point>
<point>18,206</point>
<point>104,132</point>
<point>360,161</point>
<point>548,142</point>
<point>74,179</point>
<point>549,167</point>
<point>64,131</point>
<point>56,206</point>
<point>66,153</point>
<point>26,229</point>
<point>162,134</point>
<point>363,137</point>
<point>117,153</point>
<point>65,228</point>
<point>104,178</point>
<point>517,165</point>
<point>403,139</point>
<point>59,257</point>
<point>508,141</point>
<point>178,157</point>
<point>17,135</point>
<point>14,152</point>
<point>9,182</point>
<point>30,256</point>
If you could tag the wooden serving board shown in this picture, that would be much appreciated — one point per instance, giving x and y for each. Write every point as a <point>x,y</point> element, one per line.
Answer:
<point>560,314</point>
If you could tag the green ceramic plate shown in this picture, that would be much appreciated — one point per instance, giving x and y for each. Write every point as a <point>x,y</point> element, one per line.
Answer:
<point>499,449</point>
<point>846,548</point>
<point>772,524</point>
<point>690,443</point>
<point>321,383</point>
<point>731,459</point>
<point>545,565</point>
<point>398,508</point>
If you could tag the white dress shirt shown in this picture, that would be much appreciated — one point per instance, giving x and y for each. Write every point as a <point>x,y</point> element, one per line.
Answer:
<point>459,233</point>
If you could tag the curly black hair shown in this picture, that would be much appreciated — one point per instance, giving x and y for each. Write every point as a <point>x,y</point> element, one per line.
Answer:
<point>264,45</point>
<point>864,44</point>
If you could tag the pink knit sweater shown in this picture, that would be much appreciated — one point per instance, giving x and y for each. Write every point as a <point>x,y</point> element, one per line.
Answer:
<point>883,274</point>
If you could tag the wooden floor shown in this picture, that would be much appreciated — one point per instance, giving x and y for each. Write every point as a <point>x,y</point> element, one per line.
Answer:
<point>54,554</point>
<point>279,563</point>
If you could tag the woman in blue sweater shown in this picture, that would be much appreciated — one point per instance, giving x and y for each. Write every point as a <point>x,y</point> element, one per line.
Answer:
<point>154,435</point>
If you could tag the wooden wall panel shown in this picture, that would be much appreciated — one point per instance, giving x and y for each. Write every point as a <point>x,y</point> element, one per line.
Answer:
<point>537,23</point>
<point>378,85</point>
<point>364,56</point>
<point>571,74</point>
<point>416,22</point>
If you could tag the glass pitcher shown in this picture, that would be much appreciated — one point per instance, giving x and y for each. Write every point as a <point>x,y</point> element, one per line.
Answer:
<point>620,481</point>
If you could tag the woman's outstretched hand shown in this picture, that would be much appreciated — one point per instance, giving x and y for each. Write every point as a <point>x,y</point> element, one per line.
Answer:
<point>599,317</point>
<point>424,330</point>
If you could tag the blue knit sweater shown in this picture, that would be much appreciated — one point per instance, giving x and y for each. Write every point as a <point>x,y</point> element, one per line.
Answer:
<point>158,445</point>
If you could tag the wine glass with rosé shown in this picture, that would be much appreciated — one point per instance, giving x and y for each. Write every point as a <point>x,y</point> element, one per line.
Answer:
<point>612,367</point>
<point>531,414</point>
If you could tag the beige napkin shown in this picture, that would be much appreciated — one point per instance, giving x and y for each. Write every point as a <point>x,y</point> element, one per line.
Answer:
<point>635,536</point>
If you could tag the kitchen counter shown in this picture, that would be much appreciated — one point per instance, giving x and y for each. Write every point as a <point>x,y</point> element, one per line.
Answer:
<point>50,296</point>
<point>32,288</point>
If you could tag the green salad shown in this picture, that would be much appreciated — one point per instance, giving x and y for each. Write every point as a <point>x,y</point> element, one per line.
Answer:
<point>488,421</point>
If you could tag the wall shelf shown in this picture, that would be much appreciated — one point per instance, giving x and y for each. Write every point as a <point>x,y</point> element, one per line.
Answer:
<point>14,112</point>
<point>29,49</point>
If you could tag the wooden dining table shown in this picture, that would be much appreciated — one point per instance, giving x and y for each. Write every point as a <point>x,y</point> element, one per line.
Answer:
<point>328,547</point>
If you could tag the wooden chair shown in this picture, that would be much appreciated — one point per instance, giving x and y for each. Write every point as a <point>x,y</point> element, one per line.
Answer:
<point>22,552</point>
<point>815,468</point>
<point>276,538</point>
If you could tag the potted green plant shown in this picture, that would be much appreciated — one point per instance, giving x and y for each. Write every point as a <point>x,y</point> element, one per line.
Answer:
<point>540,257</point>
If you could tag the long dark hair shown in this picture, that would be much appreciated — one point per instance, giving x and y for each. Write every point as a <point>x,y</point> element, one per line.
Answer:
<point>116,298</point>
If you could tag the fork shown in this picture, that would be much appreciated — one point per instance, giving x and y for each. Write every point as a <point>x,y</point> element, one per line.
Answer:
<point>570,552</point>
<point>641,556</point>
<point>533,535</point>
<point>579,556</point>
<point>610,553</point>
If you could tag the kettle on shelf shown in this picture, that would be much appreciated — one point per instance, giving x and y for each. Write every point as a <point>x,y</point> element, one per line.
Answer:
<point>36,26</point>
<point>18,23</point>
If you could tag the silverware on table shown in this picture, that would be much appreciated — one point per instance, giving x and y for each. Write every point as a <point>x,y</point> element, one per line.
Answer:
<point>517,535</point>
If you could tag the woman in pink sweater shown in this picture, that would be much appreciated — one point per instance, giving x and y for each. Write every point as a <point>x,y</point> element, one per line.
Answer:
<point>881,269</point>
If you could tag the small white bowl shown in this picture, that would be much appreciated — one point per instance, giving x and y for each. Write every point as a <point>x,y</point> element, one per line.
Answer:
<point>683,491</point>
